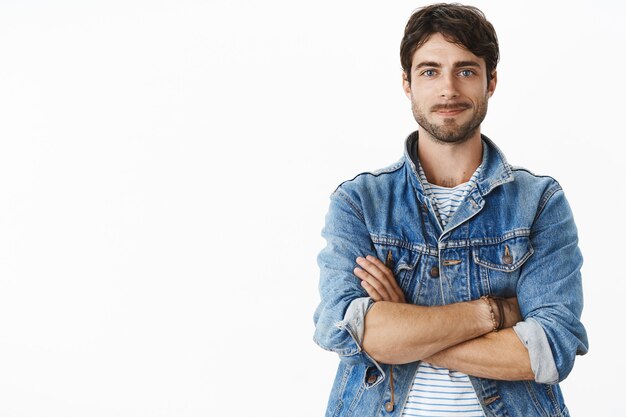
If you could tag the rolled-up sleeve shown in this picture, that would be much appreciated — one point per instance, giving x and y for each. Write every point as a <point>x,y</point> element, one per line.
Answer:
<point>550,294</point>
<point>542,363</point>
<point>355,317</point>
<point>339,318</point>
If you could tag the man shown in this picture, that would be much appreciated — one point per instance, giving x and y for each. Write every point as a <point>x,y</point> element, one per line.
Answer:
<point>450,283</point>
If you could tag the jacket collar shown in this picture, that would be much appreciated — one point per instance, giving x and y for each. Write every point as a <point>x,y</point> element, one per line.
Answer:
<point>496,170</point>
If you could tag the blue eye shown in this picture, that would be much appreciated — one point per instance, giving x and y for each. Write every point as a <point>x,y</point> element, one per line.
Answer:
<point>429,73</point>
<point>466,73</point>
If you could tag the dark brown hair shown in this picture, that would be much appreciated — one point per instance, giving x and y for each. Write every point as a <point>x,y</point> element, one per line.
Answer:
<point>464,25</point>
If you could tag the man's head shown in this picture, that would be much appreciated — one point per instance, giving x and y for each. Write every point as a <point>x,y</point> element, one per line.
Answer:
<point>449,54</point>
<point>464,25</point>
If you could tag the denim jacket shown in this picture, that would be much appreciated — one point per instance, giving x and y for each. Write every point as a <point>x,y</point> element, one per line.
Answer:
<point>513,235</point>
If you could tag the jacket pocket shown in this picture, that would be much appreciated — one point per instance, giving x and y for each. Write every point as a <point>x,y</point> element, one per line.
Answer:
<point>499,262</point>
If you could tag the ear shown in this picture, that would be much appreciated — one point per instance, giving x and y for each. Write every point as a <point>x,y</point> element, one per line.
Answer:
<point>491,88</point>
<point>406,85</point>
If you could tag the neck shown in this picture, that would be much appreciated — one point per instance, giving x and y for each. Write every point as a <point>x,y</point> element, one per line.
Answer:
<point>449,164</point>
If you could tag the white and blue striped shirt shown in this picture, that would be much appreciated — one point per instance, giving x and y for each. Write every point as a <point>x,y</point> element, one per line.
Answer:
<point>441,392</point>
<point>447,200</point>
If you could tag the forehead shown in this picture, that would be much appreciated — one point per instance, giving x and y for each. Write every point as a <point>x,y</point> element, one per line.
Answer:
<point>438,49</point>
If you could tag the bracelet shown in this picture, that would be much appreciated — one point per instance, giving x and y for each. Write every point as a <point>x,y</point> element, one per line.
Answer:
<point>500,313</point>
<point>486,299</point>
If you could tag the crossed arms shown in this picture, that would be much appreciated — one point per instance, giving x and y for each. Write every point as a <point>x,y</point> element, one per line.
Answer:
<point>456,336</point>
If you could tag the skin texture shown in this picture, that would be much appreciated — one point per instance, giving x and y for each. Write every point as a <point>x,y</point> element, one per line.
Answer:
<point>495,356</point>
<point>449,93</point>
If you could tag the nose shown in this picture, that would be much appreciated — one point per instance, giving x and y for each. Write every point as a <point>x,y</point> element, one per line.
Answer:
<point>448,87</point>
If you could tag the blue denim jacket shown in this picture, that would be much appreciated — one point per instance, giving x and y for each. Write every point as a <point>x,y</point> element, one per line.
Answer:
<point>514,235</point>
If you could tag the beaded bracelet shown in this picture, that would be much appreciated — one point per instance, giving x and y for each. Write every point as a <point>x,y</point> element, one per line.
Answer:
<point>500,313</point>
<point>500,324</point>
<point>485,298</point>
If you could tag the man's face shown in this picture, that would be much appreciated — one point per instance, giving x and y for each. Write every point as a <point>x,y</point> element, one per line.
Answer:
<point>448,90</point>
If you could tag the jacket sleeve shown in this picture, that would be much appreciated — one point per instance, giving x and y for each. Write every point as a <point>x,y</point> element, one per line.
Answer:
<point>339,318</point>
<point>550,294</point>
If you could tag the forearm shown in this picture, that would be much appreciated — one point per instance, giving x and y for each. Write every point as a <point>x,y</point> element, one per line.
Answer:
<point>397,333</point>
<point>498,355</point>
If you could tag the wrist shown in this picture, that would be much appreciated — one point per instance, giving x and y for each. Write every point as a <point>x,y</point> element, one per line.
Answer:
<point>494,312</point>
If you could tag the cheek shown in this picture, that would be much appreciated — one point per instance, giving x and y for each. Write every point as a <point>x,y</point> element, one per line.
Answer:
<point>478,96</point>
<point>416,103</point>
<point>419,98</point>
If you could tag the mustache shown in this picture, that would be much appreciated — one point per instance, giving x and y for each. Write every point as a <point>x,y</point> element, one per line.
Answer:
<point>450,106</point>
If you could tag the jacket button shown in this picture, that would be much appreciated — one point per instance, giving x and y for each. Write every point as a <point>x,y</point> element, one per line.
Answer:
<point>434,272</point>
<point>507,259</point>
<point>389,406</point>
<point>371,379</point>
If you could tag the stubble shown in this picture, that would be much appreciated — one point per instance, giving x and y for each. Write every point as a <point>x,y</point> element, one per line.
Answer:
<point>449,131</point>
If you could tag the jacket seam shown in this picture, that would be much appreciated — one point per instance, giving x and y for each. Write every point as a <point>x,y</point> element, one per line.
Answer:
<point>521,232</point>
<point>519,168</point>
<point>535,400</point>
<point>547,196</point>
<point>352,204</point>
<point>387,170</point>
<point>404,244</point>
<point>459,243</point>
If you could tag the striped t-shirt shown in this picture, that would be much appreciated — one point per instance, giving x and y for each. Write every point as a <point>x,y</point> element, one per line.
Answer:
<point>447,200</point>
<point>440,392</point>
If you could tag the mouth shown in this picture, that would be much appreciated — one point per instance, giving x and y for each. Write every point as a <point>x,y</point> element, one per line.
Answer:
<point>450,110</point>
<point>449,113</point>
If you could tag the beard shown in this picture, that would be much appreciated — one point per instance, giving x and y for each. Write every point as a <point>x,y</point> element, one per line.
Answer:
<point>450,131</point>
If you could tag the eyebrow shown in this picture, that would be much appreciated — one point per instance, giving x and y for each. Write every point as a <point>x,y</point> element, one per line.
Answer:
<point>466,64</point>
<point>458,64</point>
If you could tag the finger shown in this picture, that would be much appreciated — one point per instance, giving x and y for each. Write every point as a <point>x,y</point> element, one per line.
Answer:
<point>371,291</point>
<point>377,279</point>
<point>390,283</point>
<point>380,265</point>
<point>381,289</point>
<point>378,270</point>
<point>373,282</point>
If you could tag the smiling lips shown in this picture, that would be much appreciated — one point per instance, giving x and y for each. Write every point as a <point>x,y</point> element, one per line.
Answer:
<point>450,109</point>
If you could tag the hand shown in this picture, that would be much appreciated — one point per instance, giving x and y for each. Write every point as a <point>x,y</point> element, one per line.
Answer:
<point>511,311</point>
<point>378,280</point>
<point>508,307</point>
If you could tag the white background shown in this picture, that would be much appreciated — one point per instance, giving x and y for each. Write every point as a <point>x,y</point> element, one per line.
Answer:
<point>165,168</point>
